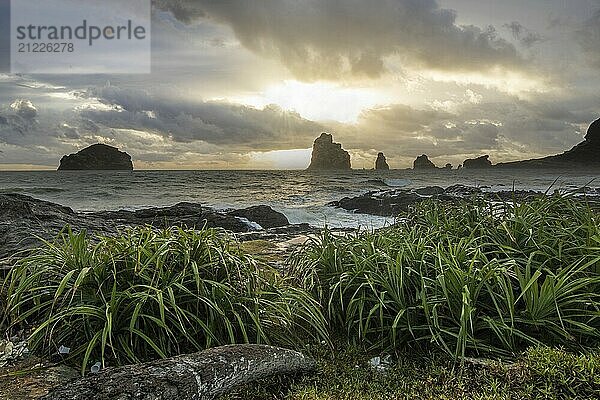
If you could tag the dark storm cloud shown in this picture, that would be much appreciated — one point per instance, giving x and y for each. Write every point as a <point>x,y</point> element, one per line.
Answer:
<point>402,118</point>
<point>212,122</point>
<point>526,37</point>
<point>588,37</point>
<point>327,39</point>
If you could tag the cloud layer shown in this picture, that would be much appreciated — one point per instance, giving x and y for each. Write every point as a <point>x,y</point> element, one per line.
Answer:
<point>237,126</point>
<point>330,39</point>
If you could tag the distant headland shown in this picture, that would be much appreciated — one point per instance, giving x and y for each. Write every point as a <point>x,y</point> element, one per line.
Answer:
<point>585,154</point>
<point>97,157</point>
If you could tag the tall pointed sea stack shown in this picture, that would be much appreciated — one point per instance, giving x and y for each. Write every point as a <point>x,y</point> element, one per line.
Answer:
<point>327,155</point>
<point>381,162</point>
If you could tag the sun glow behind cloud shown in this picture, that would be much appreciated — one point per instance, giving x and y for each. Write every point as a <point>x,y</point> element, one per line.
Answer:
<point>318,101</point>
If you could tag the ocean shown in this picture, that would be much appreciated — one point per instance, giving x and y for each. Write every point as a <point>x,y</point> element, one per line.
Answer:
<point>301,195</point>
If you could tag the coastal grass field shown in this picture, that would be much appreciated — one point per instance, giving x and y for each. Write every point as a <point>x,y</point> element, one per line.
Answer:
<point>437,296</point>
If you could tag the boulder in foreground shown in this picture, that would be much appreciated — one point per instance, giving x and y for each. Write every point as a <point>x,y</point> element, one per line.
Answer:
<point>200,376</point>
<point>97,157</point>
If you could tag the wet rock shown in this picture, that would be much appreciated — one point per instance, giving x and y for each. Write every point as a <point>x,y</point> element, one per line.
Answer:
<point>327,155</point>
<point>185,215</point>
<point>386,203</point>
<point>381,162</point>
<point>263,215</point>
<point>461,190</point>
<point>430,191</point>
<point>97,157</point>
<point>390,203</point>
<point>24,221</point>
<point>423,162</point>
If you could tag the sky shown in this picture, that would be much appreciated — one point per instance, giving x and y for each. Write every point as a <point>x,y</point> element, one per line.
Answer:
<point>249,84</point>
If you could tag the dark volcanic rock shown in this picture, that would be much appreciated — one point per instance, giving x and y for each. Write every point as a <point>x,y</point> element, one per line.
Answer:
<point>327,155</point>
<point>389,203</point>
<point>477,163</point>
<point>422,162</point>
<point>185,215</point>
<point>97,157</point>
<point>585,154</point>
<point>25,220</point>
<point>430,190</point>
<point>386,203</point>
<point>263,215</point>
<point>461,191</point>
<point>381,162</point>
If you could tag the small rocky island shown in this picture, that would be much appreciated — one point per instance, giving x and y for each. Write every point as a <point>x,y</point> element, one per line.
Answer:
<point>477,163</point>
<point>327,155</point>
<point>97,157</point>
<point>381,162</point>
<point>423,162</point>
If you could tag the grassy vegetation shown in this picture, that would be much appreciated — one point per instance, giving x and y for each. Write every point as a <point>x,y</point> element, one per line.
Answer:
<point>520,283</point>
<point>146,294</point>
<point>470,278</point>
<point>539,373</point>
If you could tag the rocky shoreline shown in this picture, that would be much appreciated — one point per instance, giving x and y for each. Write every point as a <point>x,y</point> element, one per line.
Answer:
<point>389,203</point>
<point>26,221</point>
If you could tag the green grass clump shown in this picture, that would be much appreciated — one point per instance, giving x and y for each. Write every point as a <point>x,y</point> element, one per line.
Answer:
<point>145,294</point>
<point>468,278</point>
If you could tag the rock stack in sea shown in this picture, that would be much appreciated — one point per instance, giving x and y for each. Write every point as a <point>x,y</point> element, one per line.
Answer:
<point>327,155</point>
<point>477,163</point>
<point>423,162</point>
<point>97,157</point>
<point>381,162</point>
